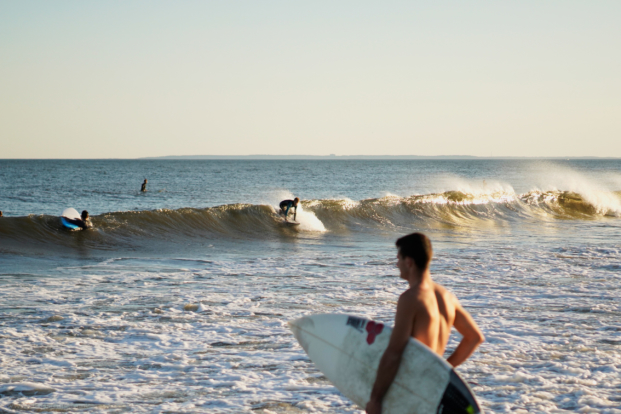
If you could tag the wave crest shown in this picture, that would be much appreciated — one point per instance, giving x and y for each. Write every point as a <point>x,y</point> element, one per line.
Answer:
<point>456,208</point>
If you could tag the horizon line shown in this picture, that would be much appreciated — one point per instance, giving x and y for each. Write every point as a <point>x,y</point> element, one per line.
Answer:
<point>328,157</point>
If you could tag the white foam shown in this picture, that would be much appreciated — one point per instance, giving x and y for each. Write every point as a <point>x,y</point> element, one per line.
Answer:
<point>388,195</point>
<point>25,387</point>
<point>348,203</point>
<point>549,312</point>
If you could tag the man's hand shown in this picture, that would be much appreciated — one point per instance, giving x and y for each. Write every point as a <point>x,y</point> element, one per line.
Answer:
<point>374,407</point>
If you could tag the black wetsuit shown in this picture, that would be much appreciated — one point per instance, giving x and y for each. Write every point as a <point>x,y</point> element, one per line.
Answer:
<point>83,224</point>
<point>286,205</point>
<point>143,188</point>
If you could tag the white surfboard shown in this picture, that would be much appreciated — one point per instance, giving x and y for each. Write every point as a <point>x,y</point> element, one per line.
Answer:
<point>348,349</point>
<point>70,213</point>
<point>287,222</point>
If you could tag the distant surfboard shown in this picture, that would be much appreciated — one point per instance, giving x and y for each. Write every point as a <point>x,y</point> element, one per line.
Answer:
<point>348,349</point>
<point>71,214</point>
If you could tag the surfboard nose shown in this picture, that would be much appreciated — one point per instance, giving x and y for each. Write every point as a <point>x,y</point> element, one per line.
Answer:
<point>300,328</point>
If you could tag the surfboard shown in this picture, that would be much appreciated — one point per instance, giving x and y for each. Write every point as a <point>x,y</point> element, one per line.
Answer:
<point>287,222</point>
<point>69,213</point>
<point>348,349</point>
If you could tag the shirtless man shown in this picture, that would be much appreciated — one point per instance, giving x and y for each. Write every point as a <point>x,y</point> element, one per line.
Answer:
<point>426,311</point>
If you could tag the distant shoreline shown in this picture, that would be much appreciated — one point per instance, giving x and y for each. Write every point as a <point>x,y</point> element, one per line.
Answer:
<point>355,157</point>
<point>321,157</point>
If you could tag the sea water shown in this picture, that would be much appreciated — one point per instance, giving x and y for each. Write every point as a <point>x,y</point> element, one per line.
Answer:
<point>178,299</point>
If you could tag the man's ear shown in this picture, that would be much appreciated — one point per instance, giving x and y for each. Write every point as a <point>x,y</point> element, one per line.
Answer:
<point>409,262</point>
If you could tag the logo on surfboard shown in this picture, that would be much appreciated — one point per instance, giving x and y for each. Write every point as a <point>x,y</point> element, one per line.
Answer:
<point>373,329</point>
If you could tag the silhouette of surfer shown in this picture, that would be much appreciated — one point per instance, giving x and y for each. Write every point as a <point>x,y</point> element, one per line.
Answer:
<point>427,312</point>
<point>143,187</point>
<point>286,205</point>
<point>84,222</point>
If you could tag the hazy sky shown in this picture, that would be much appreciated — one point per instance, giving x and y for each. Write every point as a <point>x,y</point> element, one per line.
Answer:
<point>125,79</point>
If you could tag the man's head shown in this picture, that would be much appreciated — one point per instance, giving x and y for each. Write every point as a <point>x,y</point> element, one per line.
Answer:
<point>145,180</point>
<point>417,248</point>
<point>296,201</point>
<point>84,215</point>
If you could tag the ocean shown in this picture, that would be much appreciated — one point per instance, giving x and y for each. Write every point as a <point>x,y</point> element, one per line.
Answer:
<point>177,301</point>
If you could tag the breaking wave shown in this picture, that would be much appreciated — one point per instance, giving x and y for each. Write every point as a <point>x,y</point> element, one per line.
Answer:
<point>455,208</point>
<point>465,209</point>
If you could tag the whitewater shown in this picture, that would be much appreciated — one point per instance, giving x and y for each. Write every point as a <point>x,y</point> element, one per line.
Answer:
<point>177,300</point>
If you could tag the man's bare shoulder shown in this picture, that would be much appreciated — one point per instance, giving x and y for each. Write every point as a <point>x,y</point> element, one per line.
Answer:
<point>444,292</point>
<point>417,300</point>
<point>411,298</point>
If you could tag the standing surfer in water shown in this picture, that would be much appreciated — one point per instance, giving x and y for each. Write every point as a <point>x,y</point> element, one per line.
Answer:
<point>84,222</point>
<point>143,187</point>
<point>286,205</point>
<point>426,311</point>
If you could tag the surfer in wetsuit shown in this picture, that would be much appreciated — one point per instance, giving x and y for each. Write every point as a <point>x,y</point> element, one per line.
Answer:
<point>84,222</point>
<point>426,311</point>
<point>143,187</point>
<point>286,205</point>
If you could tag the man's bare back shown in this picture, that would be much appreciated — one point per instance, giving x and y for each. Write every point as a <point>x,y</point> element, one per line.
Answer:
<point>435,310</point>
<point>427,312</point>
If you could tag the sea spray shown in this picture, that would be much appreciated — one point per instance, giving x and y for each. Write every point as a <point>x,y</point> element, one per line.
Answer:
<point>309,221</point>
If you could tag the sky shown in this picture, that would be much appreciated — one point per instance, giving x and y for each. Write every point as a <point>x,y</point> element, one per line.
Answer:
<point>128,79</point>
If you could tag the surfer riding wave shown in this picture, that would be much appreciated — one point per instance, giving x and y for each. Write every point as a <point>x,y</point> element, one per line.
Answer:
<point>286,205</point>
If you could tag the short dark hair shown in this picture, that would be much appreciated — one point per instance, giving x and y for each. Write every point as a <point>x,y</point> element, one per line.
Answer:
<point>416,246</point>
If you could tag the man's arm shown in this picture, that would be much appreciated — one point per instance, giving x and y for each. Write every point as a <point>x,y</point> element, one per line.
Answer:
<point>389,364</point>
<point>78,222</point>
<point>473,337</point>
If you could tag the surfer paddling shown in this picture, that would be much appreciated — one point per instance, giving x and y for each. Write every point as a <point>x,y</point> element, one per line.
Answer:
<point>84,222</point>
<point>426,311</point>
<point>286,205</point>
